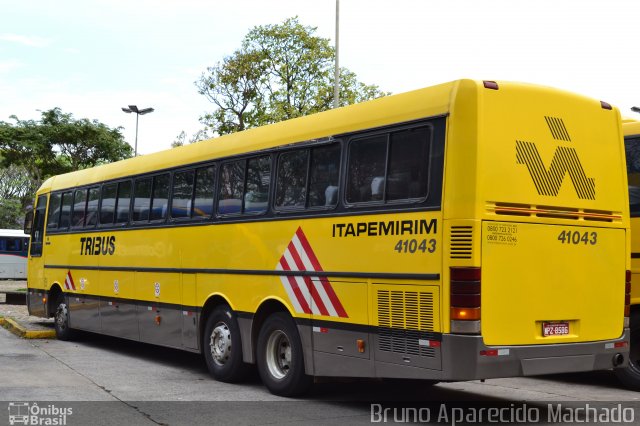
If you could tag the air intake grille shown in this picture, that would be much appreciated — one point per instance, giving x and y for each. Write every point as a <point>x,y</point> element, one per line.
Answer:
<point>461,242</point>
<point>405,320</point>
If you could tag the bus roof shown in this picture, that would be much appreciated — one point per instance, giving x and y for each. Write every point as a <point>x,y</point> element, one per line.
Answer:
<point>631,128</point>
<point>12,233</point>
<point>405,107</point>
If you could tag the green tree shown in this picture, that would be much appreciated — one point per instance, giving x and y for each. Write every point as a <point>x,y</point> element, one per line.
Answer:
<point>280,72</point>
<point>11,213</point>
<point>58,143</point>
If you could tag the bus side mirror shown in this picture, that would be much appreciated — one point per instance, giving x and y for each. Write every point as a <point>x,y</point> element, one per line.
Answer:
<point>28,222</point>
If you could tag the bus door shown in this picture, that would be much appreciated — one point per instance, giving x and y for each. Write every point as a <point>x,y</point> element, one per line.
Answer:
<point>35,267</point>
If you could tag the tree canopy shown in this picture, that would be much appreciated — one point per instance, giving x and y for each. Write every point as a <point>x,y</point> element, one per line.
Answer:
<point>33,150</point>
<point>280,72</point>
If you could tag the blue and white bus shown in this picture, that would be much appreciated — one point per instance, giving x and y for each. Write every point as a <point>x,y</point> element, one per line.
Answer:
<point>14,245</point>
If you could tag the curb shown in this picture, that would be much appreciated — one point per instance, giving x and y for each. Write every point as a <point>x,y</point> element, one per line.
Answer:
<point>20,331</point>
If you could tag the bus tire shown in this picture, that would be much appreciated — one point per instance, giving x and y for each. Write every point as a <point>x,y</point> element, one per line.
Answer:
<point>222,346</point>
<point>280,357</point>
<point>630,375</point>
<point>61,319</point>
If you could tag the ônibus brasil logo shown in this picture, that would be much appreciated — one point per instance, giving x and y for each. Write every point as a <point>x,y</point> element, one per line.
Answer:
<point>565,160</point>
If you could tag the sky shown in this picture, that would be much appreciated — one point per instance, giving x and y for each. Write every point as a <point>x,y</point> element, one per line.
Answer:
<point>92,57</point>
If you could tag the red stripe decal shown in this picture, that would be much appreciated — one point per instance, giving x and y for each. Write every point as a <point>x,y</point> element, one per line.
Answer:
<point>325,283</point>
<point>294,286</point>
<point>312,288</point>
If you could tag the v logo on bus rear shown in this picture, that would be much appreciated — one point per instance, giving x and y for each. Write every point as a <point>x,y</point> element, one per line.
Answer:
<point>548,181</point>
<point>308,294</point>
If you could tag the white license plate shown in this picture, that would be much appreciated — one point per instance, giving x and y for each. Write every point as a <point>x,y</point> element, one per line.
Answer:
<point>555,328</point>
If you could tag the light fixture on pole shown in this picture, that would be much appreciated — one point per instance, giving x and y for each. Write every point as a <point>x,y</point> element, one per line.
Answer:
<point>138,112</point>
<point>635,109</point>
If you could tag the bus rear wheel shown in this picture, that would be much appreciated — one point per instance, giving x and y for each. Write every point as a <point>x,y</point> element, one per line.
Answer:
<point>630,375</point>
<point>280,358</point>
<point>61,319</point>
<point>222,346</point>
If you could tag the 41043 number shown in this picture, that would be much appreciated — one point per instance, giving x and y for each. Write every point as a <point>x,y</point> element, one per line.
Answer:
<point>414,246</point>
<point>577,237</point>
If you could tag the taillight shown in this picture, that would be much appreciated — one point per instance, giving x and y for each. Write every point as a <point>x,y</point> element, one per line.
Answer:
<point>627,294</point>
<point>465,300</point>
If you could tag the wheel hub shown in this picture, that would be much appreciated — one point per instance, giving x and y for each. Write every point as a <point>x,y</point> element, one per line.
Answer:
<point>220,343</point>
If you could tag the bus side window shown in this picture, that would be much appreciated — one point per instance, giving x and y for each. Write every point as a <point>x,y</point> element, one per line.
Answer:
<point>65,214</point>
<point>142,199</point>
<point>107,203</point>
<point>632,151</point>
<point>366,169</point>
<point>79,208</point>
<point>53,216</point>
<point>256,196</point>
<point>205,187</point>
<point>291,180</point>
<point>123,202</point>
<point>182,194</point>
<point>231,187</point>
<point>3,244</point>
<point>160,197</point>
<point>324,176</point>
<point>408,164</point>
<point>92,207</point>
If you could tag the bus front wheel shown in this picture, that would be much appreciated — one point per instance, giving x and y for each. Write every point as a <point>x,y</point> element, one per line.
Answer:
<point>61,319</point>
<point>280,358</point>
<point>222,347</point>
<point>630,375</point>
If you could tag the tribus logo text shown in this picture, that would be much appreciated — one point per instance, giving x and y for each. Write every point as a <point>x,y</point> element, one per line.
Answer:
<point>565,160</point>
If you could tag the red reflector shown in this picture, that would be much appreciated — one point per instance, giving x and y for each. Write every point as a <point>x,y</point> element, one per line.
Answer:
<point>627,276</point>
<point>605,105</point>
<point>490,85</point>
<point>489,352</point>
<point>465,287</point>
<point>627,299</point>
<point>465,300</point>
<point>620,344</point>
<point>627,311</point>
<point>465,274</point>
<point>434,344</point>
<point>627,288</point>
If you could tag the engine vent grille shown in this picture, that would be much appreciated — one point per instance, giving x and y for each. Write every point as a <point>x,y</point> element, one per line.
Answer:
<point>405,320</point>
<point>461,242</point>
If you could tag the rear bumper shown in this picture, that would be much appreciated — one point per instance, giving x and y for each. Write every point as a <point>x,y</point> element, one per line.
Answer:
<point>467,358</point>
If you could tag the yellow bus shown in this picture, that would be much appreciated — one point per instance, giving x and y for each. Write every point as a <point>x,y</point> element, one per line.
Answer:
<point>469,230</point>
<point>630,375</point>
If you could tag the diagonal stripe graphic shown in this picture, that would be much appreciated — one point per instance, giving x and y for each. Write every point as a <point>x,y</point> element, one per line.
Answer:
<point>308,294</point>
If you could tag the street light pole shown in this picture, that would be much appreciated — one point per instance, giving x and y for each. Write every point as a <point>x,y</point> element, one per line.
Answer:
<point>336,86</point>
<point>138,112</point>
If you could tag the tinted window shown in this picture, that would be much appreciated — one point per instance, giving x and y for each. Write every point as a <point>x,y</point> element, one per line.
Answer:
<point>389,167</point>
<point>108,203</point>
<point>367,158</point>
<point>182,194</point>
<point>65,214</point>
<point>53,217</point>
<point>256,197</point>
<point>291,184</point>
<point>124,202</point>
<point>142,200</point>
<point>37,233</point>
<point>203,201</point>
<point>632,151</point>
<point>408,164</point>
<point>231,187</point>
<point>324,176</point>
<point>79,208</point>
<point>92,207</point>
<point>160,197</point>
